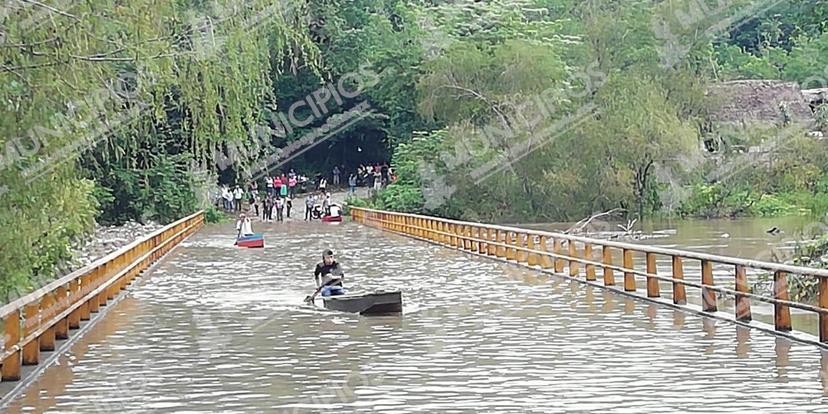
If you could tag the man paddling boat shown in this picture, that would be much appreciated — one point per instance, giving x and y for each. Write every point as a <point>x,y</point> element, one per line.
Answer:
<point>244,226</point>
<point>329,276</point>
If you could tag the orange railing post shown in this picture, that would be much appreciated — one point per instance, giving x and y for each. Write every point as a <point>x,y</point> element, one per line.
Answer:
<point>47,338</point>
<point>483,234</point>
<point>546,261</point>
<point>521,256</point>
<point>559,262</point>
<point>629,276</point>
<point>11,364</point>
<point>708,295</point>
<point>511,253</point>
<point>31,321</point>
<point>590,268</point>
<point>455,240</point>
<point>653,290</point>
<point>679,293</point>
<point>742,302</point>
<point>492,247</point>
<point>532,259</point>
<point>609,276</point>
<point>501,249</point>
<point>469,242</point>
<point>573,256</point>
<point>75,294</point>
<point>781,313</point>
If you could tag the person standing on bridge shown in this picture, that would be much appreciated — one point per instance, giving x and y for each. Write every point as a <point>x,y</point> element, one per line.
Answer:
<point>277,184</point>
<point>292,185</point>
<point>283,191</point>
<point>336,174</point>
<point>326,202</point>
<point>227,197</point>
<point>279,206</point>
<point>323,184</point>
<point>254,201</point>
<point>310,201</point>
<point>352,183</point>
<point>238,195</point>
<point>267,204</point>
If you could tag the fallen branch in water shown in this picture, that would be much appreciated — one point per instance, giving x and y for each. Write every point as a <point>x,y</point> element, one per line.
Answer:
<point>579,226</point>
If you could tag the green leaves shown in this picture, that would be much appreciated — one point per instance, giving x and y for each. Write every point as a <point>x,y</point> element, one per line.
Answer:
<point>131,97</point>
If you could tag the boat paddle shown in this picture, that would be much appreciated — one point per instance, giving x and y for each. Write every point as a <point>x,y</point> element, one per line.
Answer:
<point>309,299</point>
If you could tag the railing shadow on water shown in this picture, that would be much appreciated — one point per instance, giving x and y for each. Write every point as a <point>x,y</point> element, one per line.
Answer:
<point>578,258</point>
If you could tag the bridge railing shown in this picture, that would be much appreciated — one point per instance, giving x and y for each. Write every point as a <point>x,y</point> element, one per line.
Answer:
<point>33,322</point>
<point>577,255</point>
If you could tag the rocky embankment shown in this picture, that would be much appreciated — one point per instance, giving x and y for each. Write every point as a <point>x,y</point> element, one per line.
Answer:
<point>107,239</point>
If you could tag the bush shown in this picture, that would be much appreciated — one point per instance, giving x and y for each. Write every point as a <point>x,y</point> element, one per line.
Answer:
<point>162,192</point>
<point>405,198</point>
<point>770,205</point>
<point>214,215</point>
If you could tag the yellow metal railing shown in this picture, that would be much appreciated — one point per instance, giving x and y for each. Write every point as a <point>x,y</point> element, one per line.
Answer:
<point>33,322</point>
<point>532,247</point>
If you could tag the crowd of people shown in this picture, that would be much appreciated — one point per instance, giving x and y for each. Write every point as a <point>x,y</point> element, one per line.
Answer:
<point>274,200</point>
<point>231,198</point>
<point>375,177</point>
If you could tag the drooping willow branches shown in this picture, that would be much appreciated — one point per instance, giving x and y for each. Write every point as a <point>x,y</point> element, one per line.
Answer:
<point>122,86</point>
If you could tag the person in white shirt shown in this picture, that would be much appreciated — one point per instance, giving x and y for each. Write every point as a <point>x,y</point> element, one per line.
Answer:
<point>238,193</point>
<point>335,210</point>
<point>326,203</point>
<point>244,226</point>
<point>279,206</point>
<point>228,198</point>
<point>377,182</point>
<point>310,201</point>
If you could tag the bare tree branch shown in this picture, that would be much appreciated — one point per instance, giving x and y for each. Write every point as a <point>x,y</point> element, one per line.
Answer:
<point>50,8</point>
<point>579,226</point>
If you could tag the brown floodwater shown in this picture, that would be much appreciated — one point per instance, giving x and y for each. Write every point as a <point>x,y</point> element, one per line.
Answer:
<point>217,329</point>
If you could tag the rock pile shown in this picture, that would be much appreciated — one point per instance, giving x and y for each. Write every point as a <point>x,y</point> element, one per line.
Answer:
<point>107,239</point>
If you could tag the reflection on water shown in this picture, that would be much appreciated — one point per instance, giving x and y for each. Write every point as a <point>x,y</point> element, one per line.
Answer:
<point>215,329</point>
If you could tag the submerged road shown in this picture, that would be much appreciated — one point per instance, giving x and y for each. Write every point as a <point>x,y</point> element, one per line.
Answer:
<point>217,329</point>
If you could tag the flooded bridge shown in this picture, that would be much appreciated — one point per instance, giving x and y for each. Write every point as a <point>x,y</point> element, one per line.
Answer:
<point>212,328</point>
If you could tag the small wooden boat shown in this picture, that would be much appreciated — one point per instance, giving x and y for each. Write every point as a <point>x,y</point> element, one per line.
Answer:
<point>251,241</point>
<point>331,219</point>
<point>377,303</point>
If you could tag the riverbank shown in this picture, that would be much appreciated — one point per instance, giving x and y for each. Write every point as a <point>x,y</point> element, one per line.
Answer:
<point>719,201</point>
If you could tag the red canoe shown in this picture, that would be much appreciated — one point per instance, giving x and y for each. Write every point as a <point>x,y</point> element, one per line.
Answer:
<point>251,241</point>
<point>331,219</point>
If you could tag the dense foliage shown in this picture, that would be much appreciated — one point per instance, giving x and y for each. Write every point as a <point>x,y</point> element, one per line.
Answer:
<point>623,83</point>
